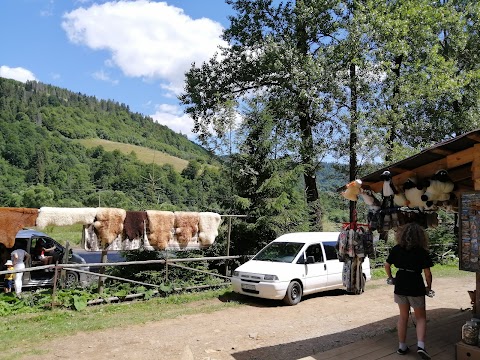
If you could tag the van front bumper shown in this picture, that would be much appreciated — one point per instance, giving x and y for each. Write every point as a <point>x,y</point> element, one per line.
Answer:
<point>266,290</point>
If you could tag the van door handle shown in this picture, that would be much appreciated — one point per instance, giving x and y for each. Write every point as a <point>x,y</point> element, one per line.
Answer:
<point>325,267</point>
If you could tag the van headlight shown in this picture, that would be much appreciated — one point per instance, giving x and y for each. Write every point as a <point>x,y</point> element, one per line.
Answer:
<point>270,277</point>
<point>236,273</point>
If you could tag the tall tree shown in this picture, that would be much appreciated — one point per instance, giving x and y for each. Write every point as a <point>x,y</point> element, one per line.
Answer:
<point>278,50</point>
<point>421,46</point>
<point>266,183</point>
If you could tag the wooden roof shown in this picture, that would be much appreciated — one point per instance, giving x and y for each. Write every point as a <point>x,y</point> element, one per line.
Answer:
<point>455,155</point>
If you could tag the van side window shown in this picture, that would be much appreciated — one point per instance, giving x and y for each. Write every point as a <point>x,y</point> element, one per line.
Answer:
<point>315,250</point>
<point>330,252</point>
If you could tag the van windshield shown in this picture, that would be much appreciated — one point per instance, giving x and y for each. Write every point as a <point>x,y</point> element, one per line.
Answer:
<point>279,252</point>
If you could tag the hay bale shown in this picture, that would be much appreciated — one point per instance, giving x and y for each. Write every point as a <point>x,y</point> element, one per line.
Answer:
<point>65,216</point>
<point>160,226</point>
<point>186,226</point>
<point>12,220</point>
<point>208,227</point>
<point>109,224</point>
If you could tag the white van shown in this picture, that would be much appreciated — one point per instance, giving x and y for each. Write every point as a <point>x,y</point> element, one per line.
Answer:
<point>293,265</point>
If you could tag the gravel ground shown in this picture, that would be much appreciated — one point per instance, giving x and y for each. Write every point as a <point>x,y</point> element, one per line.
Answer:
<point>261,330</point>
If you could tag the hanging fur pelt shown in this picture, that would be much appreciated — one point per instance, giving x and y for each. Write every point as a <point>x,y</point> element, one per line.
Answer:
<point>208,227</point>
<point>12,220</point>
<point>109,224</point>
<point>186,226</point>
<point>65,216</point>
<point>134,224</point>
<point>160,228</point>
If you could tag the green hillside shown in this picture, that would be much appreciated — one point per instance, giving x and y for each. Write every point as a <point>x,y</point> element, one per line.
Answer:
<point>76,116</point>
<point>59,148</point>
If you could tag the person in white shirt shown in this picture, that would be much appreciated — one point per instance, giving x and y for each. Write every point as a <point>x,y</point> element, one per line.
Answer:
<point>19,256</point>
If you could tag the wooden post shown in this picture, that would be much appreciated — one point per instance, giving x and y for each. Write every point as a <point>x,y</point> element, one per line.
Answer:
<point>166,266</point>
<point>64,261</point>
<point>54,291</point>
<point>476,186</point>
<point>228,243</point>
<point>101,279</point>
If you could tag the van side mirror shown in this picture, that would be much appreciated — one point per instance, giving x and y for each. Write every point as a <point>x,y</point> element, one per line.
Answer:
<point>310,260</point>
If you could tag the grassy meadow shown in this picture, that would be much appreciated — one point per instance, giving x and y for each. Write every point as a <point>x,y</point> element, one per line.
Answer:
<point>62,234</point>
<point>144,154</point>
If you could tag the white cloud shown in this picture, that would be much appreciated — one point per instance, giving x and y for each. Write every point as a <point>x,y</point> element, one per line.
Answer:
<point>173,117</point>
<point>48,10</point>
<point>103,76</point>
<point>18,73</point>
<point>145,39</point>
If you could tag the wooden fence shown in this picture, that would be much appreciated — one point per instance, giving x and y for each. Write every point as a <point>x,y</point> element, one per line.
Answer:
<point>60,269</point>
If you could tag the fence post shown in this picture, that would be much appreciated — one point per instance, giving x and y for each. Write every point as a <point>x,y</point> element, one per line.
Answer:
<point>64,261</point>
<point>101,279</point>
<point>228,244</point>
<point>54,291</point>
<point>166,266</point>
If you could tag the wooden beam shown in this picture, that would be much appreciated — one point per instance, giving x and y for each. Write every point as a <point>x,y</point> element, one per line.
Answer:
<point>397,169</point>
<point>425,171</point>
<point>475,136</point>
<point>460,158</point>
<point>460,174</point>
<point>422,172</point>
<point>375,186</point>
<point>439,151</point>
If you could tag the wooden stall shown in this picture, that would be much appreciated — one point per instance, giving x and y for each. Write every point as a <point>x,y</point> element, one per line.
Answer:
<point>460,157</point>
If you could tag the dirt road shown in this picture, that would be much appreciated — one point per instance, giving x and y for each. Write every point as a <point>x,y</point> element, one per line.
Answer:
<point>261,330</point>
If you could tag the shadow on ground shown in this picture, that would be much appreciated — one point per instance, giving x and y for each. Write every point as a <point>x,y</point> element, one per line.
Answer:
<point>309,347</point>
<point>258,302</point>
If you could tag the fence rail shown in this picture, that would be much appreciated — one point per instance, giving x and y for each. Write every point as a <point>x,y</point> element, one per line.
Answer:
<point>59,270</point>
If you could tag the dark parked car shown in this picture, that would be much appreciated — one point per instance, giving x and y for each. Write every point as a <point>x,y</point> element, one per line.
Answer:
<point>27,239</point>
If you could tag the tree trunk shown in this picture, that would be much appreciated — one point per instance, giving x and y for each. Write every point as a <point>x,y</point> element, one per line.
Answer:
<point>393,120</point>
<point>309,175</point>
<point>307,148</point>
<point>353,134</point>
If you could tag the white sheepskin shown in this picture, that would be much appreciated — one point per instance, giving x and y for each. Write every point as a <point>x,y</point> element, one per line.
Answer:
<point>208,227</point>
<point>65,216</point>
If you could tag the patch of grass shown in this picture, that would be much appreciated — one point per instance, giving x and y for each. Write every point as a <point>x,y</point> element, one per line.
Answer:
<point>144,154</point>
<point>35,328</point>
<point>62,234</point>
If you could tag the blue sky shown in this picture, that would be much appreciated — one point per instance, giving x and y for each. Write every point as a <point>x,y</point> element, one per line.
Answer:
<point>133,52</point>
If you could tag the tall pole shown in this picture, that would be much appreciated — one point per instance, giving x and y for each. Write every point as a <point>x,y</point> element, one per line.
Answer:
<point>353,134</point>
<point>228,242</point>
<point>476,186</point>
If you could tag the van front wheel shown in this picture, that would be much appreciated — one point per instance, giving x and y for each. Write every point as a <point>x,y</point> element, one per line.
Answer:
<point>294,293</point>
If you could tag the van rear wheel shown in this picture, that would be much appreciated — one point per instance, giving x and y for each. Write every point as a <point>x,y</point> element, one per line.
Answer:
<point>294,293</point>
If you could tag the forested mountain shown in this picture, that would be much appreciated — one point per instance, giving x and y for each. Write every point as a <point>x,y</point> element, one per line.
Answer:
<point>42,165</point>
<point>77,116</point>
